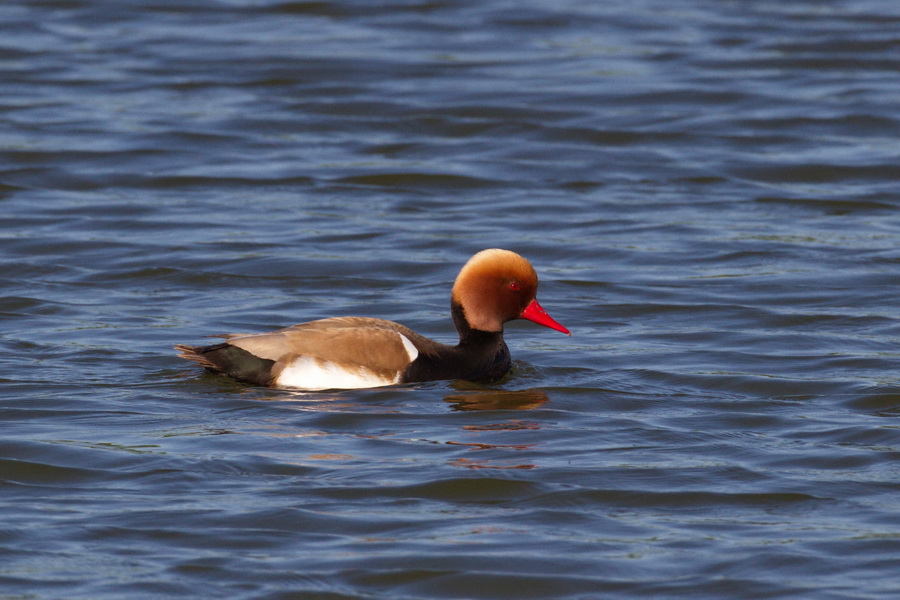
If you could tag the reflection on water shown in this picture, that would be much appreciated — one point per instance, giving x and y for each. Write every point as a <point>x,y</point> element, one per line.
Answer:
<point>330,457</point>
<point>490,399</point>
<point>511,425</point>
<point>471,396</point>
<point>468,463</point>
<point>324,432</point>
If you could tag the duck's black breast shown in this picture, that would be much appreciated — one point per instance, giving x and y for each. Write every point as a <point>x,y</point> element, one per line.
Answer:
<point>481,356</point>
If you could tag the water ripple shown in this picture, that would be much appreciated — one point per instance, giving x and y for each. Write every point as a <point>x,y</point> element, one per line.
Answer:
<point>707,191</point>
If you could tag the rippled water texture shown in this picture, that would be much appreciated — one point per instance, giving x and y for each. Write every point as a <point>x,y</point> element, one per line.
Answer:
<point>709,192</point>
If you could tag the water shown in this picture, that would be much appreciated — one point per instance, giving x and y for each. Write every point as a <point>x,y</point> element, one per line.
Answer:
<point>708,191</point>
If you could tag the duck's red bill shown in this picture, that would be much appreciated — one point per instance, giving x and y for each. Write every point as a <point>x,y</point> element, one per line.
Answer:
<point>533,312</point>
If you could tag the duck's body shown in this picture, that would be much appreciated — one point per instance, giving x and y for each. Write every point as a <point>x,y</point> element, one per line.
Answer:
<point>494,287</point>
<point>351,352</point>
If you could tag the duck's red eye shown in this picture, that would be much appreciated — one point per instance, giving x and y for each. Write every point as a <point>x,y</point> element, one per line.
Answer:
<point>514,286</point>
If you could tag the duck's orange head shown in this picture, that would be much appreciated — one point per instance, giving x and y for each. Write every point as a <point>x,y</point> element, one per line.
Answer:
<point>497,286</point>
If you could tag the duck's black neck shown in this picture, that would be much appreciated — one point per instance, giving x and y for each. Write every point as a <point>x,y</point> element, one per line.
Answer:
<point>469,336</point>
<point>483,355</point>
<point>479,356</point>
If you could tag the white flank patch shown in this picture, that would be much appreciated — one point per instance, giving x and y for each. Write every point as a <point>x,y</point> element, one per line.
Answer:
<point>306,373</point>
<point>411,350</point>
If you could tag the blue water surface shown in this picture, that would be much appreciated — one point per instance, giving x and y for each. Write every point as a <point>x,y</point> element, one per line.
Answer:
<point>708,191</point>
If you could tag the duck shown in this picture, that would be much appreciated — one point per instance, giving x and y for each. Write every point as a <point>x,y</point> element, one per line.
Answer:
<point>494,287</point>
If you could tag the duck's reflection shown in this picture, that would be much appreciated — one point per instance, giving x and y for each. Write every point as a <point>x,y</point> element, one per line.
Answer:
<point>491,399</point>
<point>498,441</point>
<point>468,463</point>
<point>467,396</point>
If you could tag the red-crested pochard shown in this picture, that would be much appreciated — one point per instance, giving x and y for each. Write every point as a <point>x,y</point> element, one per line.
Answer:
<point>494,287</point>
